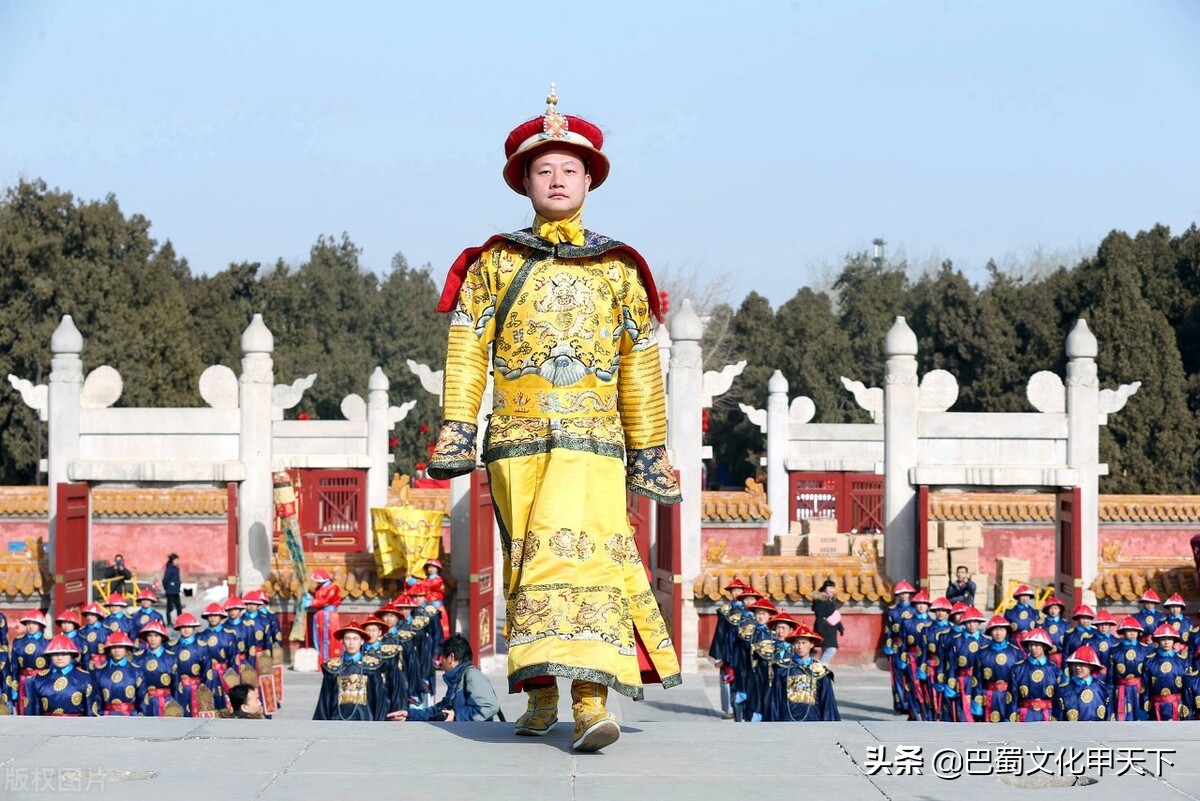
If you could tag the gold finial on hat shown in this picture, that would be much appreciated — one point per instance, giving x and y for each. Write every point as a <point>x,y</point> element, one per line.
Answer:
<point>554,124</point>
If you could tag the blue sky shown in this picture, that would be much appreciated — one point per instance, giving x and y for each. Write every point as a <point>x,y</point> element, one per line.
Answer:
<point>760,141</point>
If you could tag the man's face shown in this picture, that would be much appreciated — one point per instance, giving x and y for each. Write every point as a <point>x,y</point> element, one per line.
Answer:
<point>1081,671</point>
<point>762,616</point>
<point>999,633</point>
<point>829,592</point>
<point>187,631</point>
<point>1105,628</point>
<point>972,626</point>
<point>235,613</point>
<point>1131,635</point>
<point>782,630</point>
<point>802,646</point>
<point>66,626</point>
<point>556,183</point>
<point>922,608</point>
<point>943,615</point>
<point>60,660</point>
<point>154,639</point>
<point>1036,650</point>
<point>1054,610</point>
<point>214,621</point>
<point>253,703</point>
<point>118,652</point>
<point>352,642</point>
<point>961,573</point>
<point>391,618</point>
<point>146,603</point>
<point>374,633</point>
<point>1024,600</point>
<point>449,662</point>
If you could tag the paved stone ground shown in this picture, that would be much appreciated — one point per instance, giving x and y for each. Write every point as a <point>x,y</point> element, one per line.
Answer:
<point>673,747</point>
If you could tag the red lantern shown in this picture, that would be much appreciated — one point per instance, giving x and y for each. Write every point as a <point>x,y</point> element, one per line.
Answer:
<point>304,416</point>
<point>704,421</point>
<point>424,429</point>
<point>664,303</point>
<point>393,442</point>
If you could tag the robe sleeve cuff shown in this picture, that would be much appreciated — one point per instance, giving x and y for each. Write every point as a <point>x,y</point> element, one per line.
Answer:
<point>454,454</point>
<point>648,472</point>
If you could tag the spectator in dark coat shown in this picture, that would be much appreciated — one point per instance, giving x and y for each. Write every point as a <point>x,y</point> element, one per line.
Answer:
<point>118,570</point>
<point>171,584</point>
<point>962,589</point>
<point>828,621</point>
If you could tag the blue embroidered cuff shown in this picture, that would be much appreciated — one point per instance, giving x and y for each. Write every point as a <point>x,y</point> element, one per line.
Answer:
<point>454,454</point>
<point>648,472</point>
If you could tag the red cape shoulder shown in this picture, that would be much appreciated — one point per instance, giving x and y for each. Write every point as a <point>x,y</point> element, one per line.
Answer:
<point>458,273</point>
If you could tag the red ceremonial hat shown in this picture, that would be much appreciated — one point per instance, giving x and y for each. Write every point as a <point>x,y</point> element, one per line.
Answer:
<point>320,575</point>
<point>921,597</point>
<point>1164,631</point>
<point>1085,655</point>
<point>763,604</point>
<point>215,609</point>
<point>34,617</point>
<point>186,619</point>
<point>903,586</point>
<point>971,613</point>
<point>941,604</point>
<point>748,594</point>
<point>94,609</point>
<point>554,130</point>
<point>958,608</point>
<point>255,597</point>
<point>418,588</point>
<point>147,595</point>
<point>783,617</point>
<point>1175,600</point>
<point>234,602</point>
<point>118,639</point>
<point>1150,596</point>
<point>997,621</point>
<point>116,599</point>
<point>1039,635</point>
<point>346,628</point>
<point>1052,601</point>
<point>374,621</point>
<point>68,616</point>
<point>1104,617</point>
<point>436,563</point>
<point>403,600</point>
<point>62,645</point>
<point>1022,590</point>
<point>805,632</point>
<point>737,584</point>
<point>153,627</point>
<point>1130,623</point>
<point>1083,610</point>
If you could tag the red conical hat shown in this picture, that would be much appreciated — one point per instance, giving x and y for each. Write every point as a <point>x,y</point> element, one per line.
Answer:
<point>763,604</point>
<point>234,602</point>
<point>68,616</point>
<point>1041,636</point>
<point>805,632</point>
<point>116,599</point>
<point>971,613</point>
<point>921,597</point>
<point>1022,590</point>
<point>1130,623</point>
<point>374,621</point>
<point>215,609</point>
<point>404,601</point>
<point>346,628</point>
<point>34,617</point>
<point>737,584</point>
<point>1150,596</point>
<point>554,130</point>
<point>186,619</point>
<point>147,595</point>
<point>1052,601</point>
<point>153,627</point>
<point>903,586</point>
<point>255,597</point>
<point>1175,600</point>
<point>320,575</point>
<point>941,604</point>
<point>62,645</point>
<point>1085,655</point>
<point>997,621</point>
<point>1105,618</point>
<point>118,639</point>
<point>1164,631</point>
<point>94,609</point>
<point>436,563</point>
<point>1083,610</point>
<point>958,608</point>
<point>783,617</point>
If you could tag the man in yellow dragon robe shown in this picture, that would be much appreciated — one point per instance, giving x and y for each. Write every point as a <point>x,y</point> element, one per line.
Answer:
<point>579,414</point>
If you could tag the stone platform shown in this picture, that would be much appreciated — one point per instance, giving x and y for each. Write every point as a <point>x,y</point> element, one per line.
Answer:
<point>292,760</point>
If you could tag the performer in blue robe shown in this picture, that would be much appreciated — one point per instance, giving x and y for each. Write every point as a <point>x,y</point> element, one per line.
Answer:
<point>27,658</point>
<point>1127,681</point>
<point>1083,696</point>
<point>118,619</point>
<point>1082,632</point>
<point>1055,627</point>
<point>1150,616</point>
<point>757,641</point>
<point>1165,673</point>
<point>912,635</point>
<point>146,613</point>
<point>1023,617</point>
<point>92,637</point>
<point>194,669</point>
<point>804,686</point>
<point>1036,677</point>
<point>119,679</point>
<point>160,668</point>
<point>895,650</point>
<point>65,690</point>
<point>962,659</point>
<point>352,685</point>
<point>992,692</point>
<point>721,642</point>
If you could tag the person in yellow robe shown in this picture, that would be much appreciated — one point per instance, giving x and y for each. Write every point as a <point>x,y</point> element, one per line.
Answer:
<point>566,318</point>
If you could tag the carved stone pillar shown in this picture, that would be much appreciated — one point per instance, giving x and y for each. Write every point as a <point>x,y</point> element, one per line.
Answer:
<point>901,403</point>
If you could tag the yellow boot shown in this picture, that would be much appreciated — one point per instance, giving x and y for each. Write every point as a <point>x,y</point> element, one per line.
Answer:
<point>542,713</point>
<point>595,727</point>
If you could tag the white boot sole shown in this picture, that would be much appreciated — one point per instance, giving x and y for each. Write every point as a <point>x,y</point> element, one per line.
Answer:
<point>599,735</point>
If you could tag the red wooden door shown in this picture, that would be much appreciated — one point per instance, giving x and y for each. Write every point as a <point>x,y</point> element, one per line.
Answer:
<point>668,572</point>
<point>640,509</point>
<point>71,546</point>
<point>1070,545</point>
<point>482,600</point>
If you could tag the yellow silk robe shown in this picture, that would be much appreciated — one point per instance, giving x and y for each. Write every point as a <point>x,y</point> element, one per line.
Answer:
<point>578,384</point>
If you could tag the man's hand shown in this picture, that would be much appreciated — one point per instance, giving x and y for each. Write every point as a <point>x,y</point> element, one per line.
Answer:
<point>449,715</point>
<point>401,714</point>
